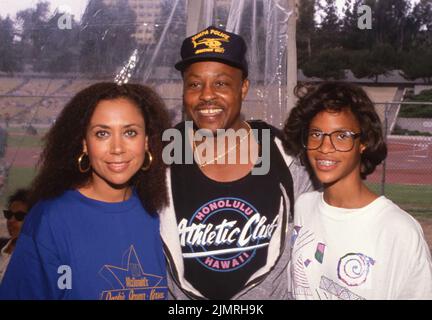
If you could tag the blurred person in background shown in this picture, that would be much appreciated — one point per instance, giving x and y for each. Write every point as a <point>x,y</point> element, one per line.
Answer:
<point>17,208</point>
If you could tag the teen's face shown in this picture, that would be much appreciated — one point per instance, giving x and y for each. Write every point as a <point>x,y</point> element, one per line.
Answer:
<point>329,165</point>
<point>213,93</point>
<point>115,142</point>
<point>13,225</point>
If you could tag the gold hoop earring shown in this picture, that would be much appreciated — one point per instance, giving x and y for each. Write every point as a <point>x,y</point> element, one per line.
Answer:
<point>145,168</point>
<point>79,163</point>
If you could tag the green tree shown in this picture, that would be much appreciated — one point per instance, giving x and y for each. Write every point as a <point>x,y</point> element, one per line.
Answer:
<point>417,64</point>
<point>60,48</point>
<point>329,32</point>
<point>306,28</point>
<point>329,64</point>
<point>373,63</point>
<point>106,37</point>
<point>422,24</point>
<point>33,36</point>
<point>400,38</point>
<point>354,38</point>
<point>392,17</point>
<point>10,59</point>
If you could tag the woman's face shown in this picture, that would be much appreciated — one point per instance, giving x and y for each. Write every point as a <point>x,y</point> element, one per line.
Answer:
<point>115,142</point>
<point>330,165</point>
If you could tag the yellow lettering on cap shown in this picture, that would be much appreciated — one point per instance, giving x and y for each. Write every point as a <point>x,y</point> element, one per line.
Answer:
<point>204,50</point>
<point>199,35</point>
<point>220,34</point>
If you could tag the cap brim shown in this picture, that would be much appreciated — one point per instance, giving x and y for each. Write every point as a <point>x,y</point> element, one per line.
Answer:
<point>183,64</point>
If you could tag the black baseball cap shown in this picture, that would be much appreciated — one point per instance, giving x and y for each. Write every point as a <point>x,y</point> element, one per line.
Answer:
<point>214,44</point>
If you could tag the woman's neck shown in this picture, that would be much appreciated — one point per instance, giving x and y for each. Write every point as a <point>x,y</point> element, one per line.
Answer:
<point>349,194</point>
<point>105,193</point>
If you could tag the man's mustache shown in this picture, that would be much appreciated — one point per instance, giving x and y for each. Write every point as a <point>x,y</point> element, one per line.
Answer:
<point>208,104</point>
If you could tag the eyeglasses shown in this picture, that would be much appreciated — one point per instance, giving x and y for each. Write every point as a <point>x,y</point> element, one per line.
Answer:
<point>19,215</point>
<point>341,140</point>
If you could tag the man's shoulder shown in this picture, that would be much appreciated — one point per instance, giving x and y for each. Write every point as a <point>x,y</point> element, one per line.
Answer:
<point>261,124</point>
<point>180,125</point>
<point>255,124</point>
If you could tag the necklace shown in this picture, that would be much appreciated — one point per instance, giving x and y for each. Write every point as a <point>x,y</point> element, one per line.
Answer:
<point>223,154</point>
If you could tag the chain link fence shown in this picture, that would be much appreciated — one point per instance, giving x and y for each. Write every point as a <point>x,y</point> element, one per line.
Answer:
<point>406,175</point>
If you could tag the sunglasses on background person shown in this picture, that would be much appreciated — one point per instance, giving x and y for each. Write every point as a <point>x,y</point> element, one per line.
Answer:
<point>19,215</point>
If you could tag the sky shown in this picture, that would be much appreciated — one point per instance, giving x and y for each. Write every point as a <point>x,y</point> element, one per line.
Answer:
<point>11,7</point>
<point>77,7</point>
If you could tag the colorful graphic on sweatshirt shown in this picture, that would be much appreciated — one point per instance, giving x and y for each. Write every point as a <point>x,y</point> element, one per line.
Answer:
<point>300,281</point>
<point>353,268</point>
<point>319,253</point>
<point>337,290</point>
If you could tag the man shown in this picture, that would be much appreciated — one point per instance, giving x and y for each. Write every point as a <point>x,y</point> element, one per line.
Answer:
<point>226,232</point>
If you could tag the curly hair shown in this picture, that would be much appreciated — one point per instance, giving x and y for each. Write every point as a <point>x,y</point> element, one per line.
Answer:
<point>335,96</point>
<point>58,167</point>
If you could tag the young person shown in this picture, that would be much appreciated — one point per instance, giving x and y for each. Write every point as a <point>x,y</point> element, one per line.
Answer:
<point>348,242</point>
<point>94,231</point>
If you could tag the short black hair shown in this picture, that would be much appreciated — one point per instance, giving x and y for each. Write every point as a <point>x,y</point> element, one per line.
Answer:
<point>21,195</point>
<point>335,96</point>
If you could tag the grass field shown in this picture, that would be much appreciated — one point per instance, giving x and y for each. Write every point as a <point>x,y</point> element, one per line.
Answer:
<point>18,178</point>
<point>416,199</point>
<point>24,141</point>
<point>17,137</point>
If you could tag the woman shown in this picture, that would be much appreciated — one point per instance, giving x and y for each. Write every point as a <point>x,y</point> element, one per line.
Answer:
<point>348,242</point>
<point>94,231</point>
<point>17,208</point>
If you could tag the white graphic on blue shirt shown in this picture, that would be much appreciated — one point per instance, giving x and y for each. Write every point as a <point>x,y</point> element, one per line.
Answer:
<point>224,234</point>
<point>130,282</point>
